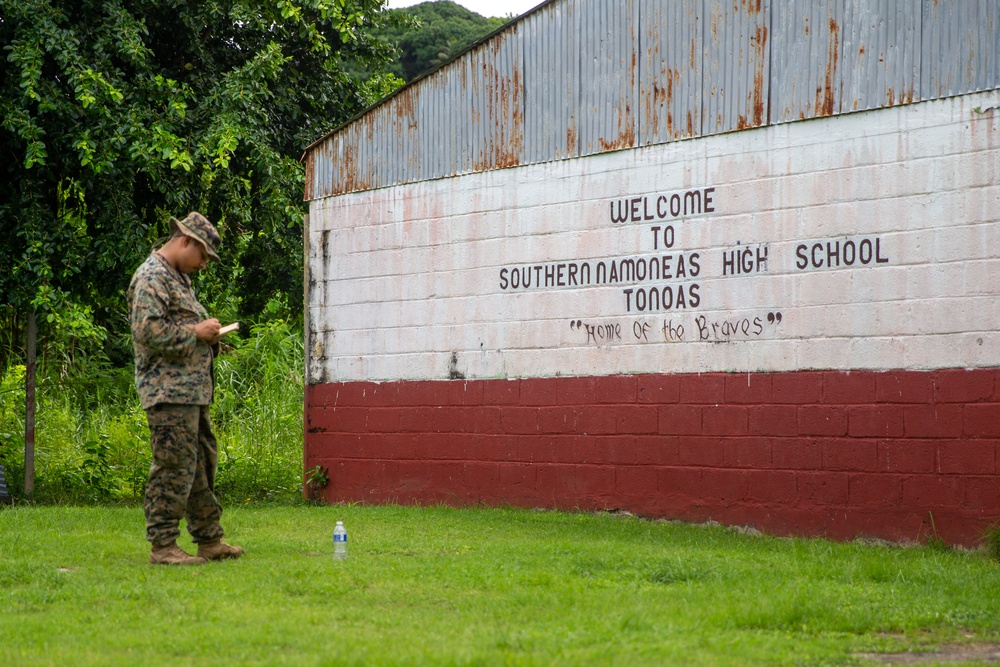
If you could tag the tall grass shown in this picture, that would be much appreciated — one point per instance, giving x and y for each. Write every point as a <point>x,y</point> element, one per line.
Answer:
<point>258,415</point>
<point>92,441</point>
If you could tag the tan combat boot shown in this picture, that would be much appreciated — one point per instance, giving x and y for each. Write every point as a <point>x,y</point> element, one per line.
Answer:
<point>218,550</point>
<point>172,554</point>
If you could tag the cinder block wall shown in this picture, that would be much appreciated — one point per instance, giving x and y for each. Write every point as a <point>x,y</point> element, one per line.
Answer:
<point>801,387</point>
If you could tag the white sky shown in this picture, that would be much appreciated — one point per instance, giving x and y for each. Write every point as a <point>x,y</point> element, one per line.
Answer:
<point>499,8</point>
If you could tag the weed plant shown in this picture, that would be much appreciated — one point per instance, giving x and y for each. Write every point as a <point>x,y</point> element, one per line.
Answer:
<point>258,416</point>
<point>92,441</point>
<point>991,541</point>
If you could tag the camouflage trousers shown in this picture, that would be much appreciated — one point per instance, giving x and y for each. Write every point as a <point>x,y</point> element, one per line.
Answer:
<point>182,476</point>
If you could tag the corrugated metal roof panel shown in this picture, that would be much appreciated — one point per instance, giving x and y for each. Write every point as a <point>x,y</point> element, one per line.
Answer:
<point>670,70</point>
<point>736,73</point>
<point>498,116</point>
<point>549,42</point>
<point>608,67</point>
<point>434,153</point>
<point>960,47</point>
<point>880,57</point>
<point>806,56</point>
<point>578,77</point>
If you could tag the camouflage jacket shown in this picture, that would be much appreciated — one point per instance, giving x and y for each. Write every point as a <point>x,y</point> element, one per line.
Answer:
<point>171,364</point>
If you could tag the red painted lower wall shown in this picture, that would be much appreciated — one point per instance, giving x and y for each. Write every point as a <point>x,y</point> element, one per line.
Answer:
<point>827,453</point>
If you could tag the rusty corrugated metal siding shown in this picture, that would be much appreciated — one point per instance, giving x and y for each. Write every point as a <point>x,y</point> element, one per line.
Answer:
<point>807,59</point>
<point>736,66</point>
<point>551,121</point>
<point>959,46</point>
<point>670,66</point>
<point>880,54</point>
<point>579,77</point>
<point>608,67</point>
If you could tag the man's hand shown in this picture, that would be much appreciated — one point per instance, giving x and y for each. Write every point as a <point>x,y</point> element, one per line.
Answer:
<point>208,331</point>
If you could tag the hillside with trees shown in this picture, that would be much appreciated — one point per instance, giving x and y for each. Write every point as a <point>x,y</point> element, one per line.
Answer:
<point>434,33</point>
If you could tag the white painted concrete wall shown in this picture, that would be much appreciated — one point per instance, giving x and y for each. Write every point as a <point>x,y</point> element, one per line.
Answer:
<point>406,282</point>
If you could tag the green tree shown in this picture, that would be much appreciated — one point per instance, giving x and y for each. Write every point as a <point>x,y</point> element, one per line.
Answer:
<point>432,34</point>
<point>116,114</point>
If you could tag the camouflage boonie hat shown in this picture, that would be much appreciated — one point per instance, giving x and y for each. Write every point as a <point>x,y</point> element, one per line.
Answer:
<point>198,227</point>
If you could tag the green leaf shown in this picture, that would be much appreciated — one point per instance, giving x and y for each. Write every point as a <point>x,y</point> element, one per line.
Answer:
<point>119,115</point>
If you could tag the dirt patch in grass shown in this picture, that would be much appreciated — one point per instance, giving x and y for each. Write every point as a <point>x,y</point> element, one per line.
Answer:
<point>985,653</point>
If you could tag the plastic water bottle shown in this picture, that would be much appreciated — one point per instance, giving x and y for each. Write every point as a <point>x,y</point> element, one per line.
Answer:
<point>339,541</point>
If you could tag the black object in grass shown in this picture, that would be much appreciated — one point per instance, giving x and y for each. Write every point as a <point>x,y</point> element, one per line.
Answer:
<point>4,496</point>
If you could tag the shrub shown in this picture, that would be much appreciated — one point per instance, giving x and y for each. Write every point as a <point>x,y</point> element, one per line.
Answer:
<point>92,441</point>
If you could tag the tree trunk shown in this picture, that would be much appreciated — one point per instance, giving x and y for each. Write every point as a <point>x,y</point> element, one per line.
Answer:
<point>29,409</point>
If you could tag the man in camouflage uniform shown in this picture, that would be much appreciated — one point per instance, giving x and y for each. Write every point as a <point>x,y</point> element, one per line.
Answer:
<point>175,344</point>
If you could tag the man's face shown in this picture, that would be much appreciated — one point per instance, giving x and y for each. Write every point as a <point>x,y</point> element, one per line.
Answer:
<point>193,256</point>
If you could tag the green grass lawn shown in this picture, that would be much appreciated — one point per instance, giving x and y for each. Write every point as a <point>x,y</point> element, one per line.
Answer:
<point>473,587</point>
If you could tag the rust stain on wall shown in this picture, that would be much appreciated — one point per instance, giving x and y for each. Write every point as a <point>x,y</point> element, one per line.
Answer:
<point>653,94</point>
<point>504,117</point>
<point>659,104</point>
<point>760,46</point>
<point>652,103</point>
<point>310,165</point>
<point>626,132</point>
<point>903,97</point>
<point>403,107</point>
<point>825,96</point>
<point>571,139</point>
<point>510,98</point>
<point>348,170</point>
<point>672,76</point>
<point>625,137</point>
